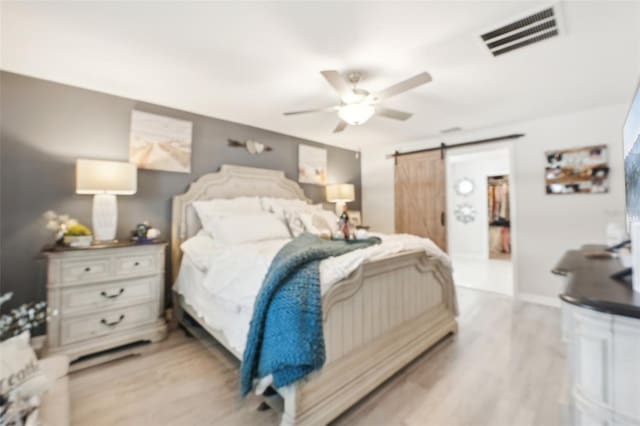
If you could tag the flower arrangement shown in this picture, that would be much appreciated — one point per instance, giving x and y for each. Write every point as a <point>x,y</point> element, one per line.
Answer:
<point>23,318</point>
<point>68,229</point>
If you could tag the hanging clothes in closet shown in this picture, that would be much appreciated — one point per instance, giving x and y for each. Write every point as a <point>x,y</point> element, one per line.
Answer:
<point>499,221</point>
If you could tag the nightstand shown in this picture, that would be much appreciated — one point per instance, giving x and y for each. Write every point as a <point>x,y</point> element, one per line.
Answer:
<point>106,296</point>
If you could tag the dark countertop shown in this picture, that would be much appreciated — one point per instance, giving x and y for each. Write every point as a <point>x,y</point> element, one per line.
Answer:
<point>590,284</point>
<point>116,244</point>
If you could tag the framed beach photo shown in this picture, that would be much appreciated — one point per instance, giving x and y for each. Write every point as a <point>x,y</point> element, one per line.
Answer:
<point>312,165</point>
<point>157,142</point>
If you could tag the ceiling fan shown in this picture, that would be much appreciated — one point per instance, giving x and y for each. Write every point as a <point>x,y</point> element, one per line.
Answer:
<point>357,105</point>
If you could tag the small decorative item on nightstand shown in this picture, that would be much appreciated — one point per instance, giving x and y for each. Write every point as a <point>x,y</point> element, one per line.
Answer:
<point>107,296</point>
<point>144,233</point>
<point>345,228</point>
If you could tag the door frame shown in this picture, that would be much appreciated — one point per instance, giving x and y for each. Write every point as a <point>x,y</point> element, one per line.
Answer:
<point>509,147</point>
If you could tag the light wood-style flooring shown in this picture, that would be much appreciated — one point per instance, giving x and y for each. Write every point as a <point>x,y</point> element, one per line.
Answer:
<point>506,367</point>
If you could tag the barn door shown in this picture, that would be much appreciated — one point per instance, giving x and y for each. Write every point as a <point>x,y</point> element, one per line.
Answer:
<point>420,196</point>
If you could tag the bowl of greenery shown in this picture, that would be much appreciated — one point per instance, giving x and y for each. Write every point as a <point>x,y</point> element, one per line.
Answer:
<point>78,235</point>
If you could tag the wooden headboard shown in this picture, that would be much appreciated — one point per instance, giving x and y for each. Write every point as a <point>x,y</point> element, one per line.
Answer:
<point>229,182</point>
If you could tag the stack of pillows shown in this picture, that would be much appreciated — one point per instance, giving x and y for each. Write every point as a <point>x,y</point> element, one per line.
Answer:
<point>253,219</point>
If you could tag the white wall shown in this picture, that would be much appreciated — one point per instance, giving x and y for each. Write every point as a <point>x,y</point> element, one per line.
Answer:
<point>472,239</point>
<point>546,225</point>
<point>378,189</point>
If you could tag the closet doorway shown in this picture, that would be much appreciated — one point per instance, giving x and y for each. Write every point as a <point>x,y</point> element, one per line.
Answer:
<point>480,216</point>
<point>499,217</point>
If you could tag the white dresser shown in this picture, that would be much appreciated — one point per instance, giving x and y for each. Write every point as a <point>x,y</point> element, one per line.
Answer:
<point>105,296</point>
<point>601,326</point>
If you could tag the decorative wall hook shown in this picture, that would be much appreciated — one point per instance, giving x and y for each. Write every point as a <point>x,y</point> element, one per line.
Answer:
<point>252,146</point>
<point>465,213</point>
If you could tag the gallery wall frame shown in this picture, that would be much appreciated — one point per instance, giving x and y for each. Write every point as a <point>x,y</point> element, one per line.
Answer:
<point>582,170</point>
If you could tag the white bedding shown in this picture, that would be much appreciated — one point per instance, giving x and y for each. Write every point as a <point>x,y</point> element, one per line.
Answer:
<point>223,295</point>
<point>233,323</point>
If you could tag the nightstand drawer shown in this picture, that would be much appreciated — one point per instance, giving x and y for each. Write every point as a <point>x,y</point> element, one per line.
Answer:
<point>134,265</point>
<point>109,295</point>
<point>90,269</point>
<point>100,324</point>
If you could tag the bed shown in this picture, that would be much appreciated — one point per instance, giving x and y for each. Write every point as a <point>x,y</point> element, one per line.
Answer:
<point>377,320</point>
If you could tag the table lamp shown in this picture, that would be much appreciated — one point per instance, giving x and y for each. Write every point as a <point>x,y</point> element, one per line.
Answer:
<point>105,180</point>
<point>340,194</point>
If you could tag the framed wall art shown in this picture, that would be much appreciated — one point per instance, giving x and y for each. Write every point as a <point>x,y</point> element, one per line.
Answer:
<point>582,170</point>
<point>312,165</point>
<point>157,142</point>
<point>355,218</point>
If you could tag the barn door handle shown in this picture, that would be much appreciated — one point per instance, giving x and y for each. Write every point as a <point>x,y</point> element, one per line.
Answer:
<point>443,219</point>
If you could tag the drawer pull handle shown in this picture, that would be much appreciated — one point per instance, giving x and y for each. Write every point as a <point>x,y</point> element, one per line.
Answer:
<point>111,296</point>
<point>136,264</point>
<point>112,323</point>
<point>87,269</point>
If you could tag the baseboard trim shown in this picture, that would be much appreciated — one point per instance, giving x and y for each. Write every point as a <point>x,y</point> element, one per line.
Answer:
<point>540,300</point>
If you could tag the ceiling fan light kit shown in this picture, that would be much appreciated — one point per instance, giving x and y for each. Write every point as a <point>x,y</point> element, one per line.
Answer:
<point>356,114</point>
<point>357,105</point>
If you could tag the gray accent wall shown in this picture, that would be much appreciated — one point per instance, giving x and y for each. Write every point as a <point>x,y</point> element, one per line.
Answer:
<point>46,126</point>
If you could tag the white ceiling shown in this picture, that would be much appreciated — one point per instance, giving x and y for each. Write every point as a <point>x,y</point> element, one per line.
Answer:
<point>249,62</point>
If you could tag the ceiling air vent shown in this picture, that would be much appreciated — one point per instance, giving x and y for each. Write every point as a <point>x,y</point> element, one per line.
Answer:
<point>523,32</point>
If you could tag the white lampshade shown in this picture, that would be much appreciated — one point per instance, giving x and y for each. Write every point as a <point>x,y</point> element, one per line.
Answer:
<point>356,114</point>
<point>106,177</point>
<point>342,192</point>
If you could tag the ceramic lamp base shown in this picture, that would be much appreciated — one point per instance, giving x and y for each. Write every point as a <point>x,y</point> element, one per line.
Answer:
<point>105,217</point>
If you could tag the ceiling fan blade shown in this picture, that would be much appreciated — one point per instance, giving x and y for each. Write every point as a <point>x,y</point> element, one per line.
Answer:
<point>403,86</point>
<point>393,113</point>
<point>308,111</point>
<point>338,82</point>
<point>341,126</point>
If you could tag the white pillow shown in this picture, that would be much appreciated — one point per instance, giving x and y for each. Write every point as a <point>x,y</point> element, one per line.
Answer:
<point>19,368</point>
<point>279,206</point>
<point>331,219</point>
<point>226,206</point>
<point>238,229</point>
<point>200,249</point>
<point>319,222</point>
<point>294,222</point>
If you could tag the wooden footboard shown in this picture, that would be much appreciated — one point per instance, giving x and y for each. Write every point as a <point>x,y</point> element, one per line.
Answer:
<point>383,316</point>
<point>376,322</point>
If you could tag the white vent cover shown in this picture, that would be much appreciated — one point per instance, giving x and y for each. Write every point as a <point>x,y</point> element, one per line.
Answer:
<point>533,28</point>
